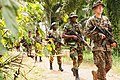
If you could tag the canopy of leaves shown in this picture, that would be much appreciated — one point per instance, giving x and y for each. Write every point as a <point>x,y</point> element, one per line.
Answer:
<point>30,17</point>
<point>113,11</point>
<point>31,12</point>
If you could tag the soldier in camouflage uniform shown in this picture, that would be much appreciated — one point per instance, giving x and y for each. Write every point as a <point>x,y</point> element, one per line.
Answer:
<point>71,40</point>
<point>102,47</point>
<point>38,46</point>
<point>29,44</point>
<point>55,36</point>
<point>24,43</point>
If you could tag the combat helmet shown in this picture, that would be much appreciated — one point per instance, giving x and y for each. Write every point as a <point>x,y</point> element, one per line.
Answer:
<point>52,25</point>
<point>73,15</point>
<point>97,3</point>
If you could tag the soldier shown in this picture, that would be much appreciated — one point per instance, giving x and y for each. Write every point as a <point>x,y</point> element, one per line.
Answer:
<point>102,46</point>
<point>38,46</point>
<point>69,35</point>
<point>56,38</point>
<point>29,44</point>
<point>24,43</point>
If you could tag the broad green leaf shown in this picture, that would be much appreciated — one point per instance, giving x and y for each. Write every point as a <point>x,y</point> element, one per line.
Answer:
<point>10,20</point>
<point>9,12</point>
<point>6,3</point>
<point>15,4</point>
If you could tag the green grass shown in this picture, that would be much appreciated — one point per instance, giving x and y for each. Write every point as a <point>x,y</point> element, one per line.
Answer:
<point>67,60</point>
<point>88,56</point>
<point>116,64</point>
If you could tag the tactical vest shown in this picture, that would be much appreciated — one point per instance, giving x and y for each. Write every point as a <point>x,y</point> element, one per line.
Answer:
<point>72,30</point>
<point>102,23</point>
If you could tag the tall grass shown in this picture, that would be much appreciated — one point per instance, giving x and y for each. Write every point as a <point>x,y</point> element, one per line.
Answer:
<point>87,56</point>
<point>116,64</point>
<point>88,59</point>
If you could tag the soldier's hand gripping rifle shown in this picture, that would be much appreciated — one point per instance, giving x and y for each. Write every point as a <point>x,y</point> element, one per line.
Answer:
<point>105,32</point>
<point>81,39</point>
<point>56,40</point>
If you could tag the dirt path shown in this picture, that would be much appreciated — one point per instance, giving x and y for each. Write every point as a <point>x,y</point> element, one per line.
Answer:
<point>40,71</point>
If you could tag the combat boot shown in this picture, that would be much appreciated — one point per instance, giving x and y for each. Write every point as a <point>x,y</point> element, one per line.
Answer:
<point>77,75</point>
<point>60,68</point>
<point>51,68</point>
<point>73,70</point>
<point>35,58</point>
<point>94,75</point>
<point>40,58</point>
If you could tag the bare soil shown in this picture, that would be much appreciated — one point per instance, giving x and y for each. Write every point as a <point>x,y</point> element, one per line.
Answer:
<point>41,71</point>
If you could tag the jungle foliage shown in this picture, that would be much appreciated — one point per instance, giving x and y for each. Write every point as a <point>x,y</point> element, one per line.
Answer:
<point>17,17</point>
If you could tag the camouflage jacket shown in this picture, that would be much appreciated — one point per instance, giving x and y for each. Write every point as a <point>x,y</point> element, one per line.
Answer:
<point>55,35</point>
<point>103,23</point>
<point>38,39</point>
<point>29,40</point>
<point>71,29</point>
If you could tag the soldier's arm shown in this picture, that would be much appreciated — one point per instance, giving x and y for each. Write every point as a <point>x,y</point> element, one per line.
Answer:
<point>48,38</point>
<point>90,32</point>
<point>66,36</point>
<point>88,28</point>
<point>110,30</point>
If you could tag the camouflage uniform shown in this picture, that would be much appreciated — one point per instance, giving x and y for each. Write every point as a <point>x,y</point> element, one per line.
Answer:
<point>24,43</point>
<point>38,46</point>
<point>102,49</point>
<point>55,35</point>
<point>76,47</point>
<point>29,44</point>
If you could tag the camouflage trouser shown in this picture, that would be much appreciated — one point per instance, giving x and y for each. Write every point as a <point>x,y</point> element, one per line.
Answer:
<point>38,54</point>
<point>103,61</point>
<point>57,52</point>
<point>29,50</point>
<point>77,56</point>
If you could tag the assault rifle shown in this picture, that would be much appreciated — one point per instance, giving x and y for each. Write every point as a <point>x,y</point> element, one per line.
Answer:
<point>81,39</point>
<point>105,32</point>
<point>56,40</point>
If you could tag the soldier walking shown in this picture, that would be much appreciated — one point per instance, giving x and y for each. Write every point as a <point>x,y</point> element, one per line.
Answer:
<point>70,30</point>
<point>38,46</point>
<point>56,38</point>
<point>102,45</point>
<point>29,44</point>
